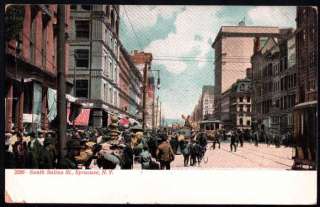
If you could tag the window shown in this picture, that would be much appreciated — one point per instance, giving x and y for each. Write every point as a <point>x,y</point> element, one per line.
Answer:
<point>110,95</point>
<point>240,99</point>
<point>107,11</point>
<point>248,108</point>
<point>248,123</point>
<point>248,99</point>
<point>86,7</point>
<point>82,29</point>
<point>241,121</point>
<point>82,57</point>
<point>241,108</point>
<point>82,88</point>
<point>73,7</point>
<point>111,69</point>
<point>115,98</point>
<point>104,91</point>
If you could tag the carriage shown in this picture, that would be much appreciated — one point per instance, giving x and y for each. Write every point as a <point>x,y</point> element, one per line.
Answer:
<point>211,127</point>
<point>304,135</point>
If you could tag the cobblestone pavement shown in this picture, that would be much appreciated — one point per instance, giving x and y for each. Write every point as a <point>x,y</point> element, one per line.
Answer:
<point>248,156</point>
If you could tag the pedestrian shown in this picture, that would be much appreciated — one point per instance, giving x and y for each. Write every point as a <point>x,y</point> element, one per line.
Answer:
<point>34,148</point>
<point>48,154</point>
<point>255,138</point>
<point>73,150</point>
<point>185,146</point>
<point>241,137</point>
<point>233,142</point>
<point>20,151</point>
<point>8,156</point>
<point>165,153</point>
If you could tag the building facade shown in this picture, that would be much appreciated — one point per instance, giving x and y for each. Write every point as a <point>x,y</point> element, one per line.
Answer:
<point>207,100</point>
<point>233,49</point>
<point>31,66</point>
<point>94,60</point>
<point>236,105</point>
<point>307,53</point>
<point>143,61</point>
<point>274,82</point>
<point>130,81</point>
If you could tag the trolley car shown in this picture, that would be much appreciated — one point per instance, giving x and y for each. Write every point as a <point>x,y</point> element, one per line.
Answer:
<point>211,127</point>
<point>304,135</point>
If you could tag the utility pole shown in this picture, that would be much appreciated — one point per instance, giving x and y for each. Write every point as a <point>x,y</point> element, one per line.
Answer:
<point>160,116</point>
<point>61,88</point>
<point>157,108</point>
<point>153,110</point>
<point>145,69</point>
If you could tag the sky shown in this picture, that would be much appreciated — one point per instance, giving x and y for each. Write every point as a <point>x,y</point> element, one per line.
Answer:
<point>180,39</point>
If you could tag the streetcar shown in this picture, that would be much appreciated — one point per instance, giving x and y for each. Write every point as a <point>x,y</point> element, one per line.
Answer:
<point>304,135</point>
<point>211,127</point>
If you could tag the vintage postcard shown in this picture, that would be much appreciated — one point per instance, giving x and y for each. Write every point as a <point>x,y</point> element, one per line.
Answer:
<point>159,104</point>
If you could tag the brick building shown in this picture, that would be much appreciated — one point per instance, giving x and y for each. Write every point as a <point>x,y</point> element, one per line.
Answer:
<point>307,53</point>
<point>274,82</point>
<point>31,69</point>
<point>143,60</point>
<point>130,83</point>
<point>233,49</point>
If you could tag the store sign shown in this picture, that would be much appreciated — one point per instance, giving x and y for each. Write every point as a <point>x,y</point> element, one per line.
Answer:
<point>31,118</point>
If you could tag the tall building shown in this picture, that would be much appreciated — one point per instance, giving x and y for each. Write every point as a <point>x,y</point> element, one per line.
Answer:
<point>233,49</point>
<point>31,69</point>
<point>207,100</point>
<point>307,53</point>
<point>143,61</point>
<point>94,60</point>
<point>130,84</point>
<point>274,82</point>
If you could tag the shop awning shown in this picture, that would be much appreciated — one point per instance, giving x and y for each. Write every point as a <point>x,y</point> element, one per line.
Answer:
<point>124,122</point>
<point>82,119</point>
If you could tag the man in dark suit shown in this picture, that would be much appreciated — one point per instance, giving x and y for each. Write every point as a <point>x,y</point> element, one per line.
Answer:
<point>165,153</point>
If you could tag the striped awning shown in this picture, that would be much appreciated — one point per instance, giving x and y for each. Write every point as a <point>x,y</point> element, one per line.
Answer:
<point>82,119</point>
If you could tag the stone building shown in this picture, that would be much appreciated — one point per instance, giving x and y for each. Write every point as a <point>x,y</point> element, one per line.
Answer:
<point>31,66</point>
<point>207,100</point>
<point>233,49</point>
<point>236,105</point>
<point>94,60</point>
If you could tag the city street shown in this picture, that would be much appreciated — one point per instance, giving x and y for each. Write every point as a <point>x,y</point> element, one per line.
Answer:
<point>248,156</point>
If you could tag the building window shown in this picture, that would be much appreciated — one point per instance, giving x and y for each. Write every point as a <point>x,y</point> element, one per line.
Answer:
<point>115,98</point>
<point>241,108</point>
<point>73,6</point>
<point>248,123</point>
<point>104,91</point>
<point>82,88</point>
<point>240,99</point>
<point>86,7</point>
<point>248,108</point>
<point>107,11</point>
<point>110,95</point>
<point>241,121</point>
<point>82,58</point>
<point>82,29</point>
